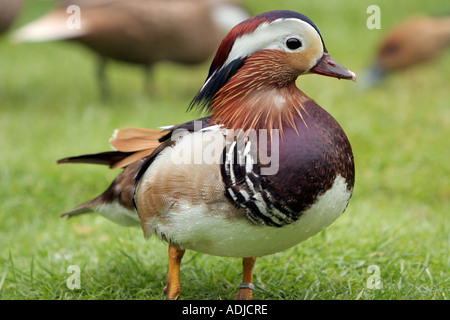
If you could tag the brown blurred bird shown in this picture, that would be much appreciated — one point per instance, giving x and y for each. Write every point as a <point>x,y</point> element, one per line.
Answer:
<point>141,32</point>
<point>9,10</point>
<point>416,40</point>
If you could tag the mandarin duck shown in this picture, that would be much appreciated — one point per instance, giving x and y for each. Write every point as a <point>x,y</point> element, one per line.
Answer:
<point>141,32</point>
<point>9,10</point>
<point>417,40</point>
<point>265,170</point>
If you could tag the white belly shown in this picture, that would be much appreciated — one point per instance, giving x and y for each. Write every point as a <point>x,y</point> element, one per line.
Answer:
<point>199,229</point>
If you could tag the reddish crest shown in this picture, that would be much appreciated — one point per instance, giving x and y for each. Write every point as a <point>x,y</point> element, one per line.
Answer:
<point>239,30</point>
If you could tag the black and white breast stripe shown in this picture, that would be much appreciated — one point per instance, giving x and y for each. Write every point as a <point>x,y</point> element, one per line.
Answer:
<point>248,189</point>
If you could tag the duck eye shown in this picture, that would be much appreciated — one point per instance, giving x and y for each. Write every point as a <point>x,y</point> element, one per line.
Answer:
<point>293,43</point>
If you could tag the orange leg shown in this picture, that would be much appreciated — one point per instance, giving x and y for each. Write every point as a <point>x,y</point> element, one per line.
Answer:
<point>173,287</point>
<point>246,286</point>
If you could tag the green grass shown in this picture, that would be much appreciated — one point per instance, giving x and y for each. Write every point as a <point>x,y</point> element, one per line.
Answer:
<point>398,218</point>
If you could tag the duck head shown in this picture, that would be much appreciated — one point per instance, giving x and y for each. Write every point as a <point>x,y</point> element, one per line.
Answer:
<point>257,64</point>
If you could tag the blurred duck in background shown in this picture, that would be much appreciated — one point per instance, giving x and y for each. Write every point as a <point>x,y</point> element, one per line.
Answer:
<point>141,32</point>
<point>9,10</point>
<point>416,40</point>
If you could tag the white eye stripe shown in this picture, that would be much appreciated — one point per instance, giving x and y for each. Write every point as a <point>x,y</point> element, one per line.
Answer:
<point>273,36</point>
